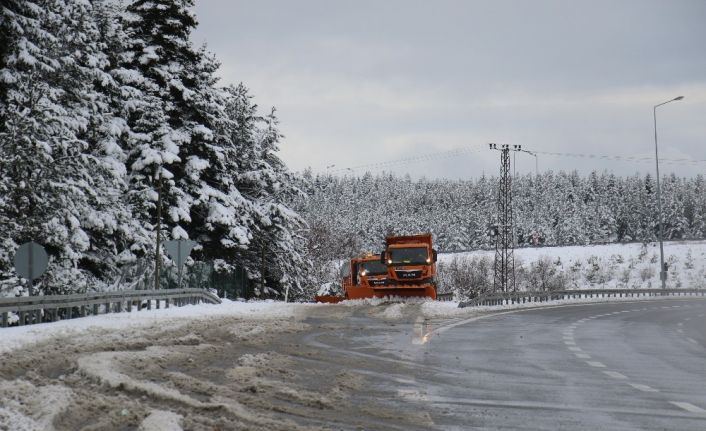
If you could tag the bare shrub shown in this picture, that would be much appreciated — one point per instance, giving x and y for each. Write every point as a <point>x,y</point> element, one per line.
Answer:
<point>545,275</point>
<point>466,276</point>
<point>647,273</point>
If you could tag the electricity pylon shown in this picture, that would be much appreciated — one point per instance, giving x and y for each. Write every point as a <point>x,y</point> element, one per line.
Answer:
<point>504,267</point>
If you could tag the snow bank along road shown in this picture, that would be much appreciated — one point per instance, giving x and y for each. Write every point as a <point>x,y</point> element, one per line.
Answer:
<point>620,366</point>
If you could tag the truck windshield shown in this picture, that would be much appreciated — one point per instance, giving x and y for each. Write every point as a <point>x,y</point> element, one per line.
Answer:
<point>373,267</point>
<point>413,256</point>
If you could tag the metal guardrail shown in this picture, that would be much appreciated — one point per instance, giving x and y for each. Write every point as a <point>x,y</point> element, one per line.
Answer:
<point>445,296</point>
<point>38,309</point>
<point>535,296</point>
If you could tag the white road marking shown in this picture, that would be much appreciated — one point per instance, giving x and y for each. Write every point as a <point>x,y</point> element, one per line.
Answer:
<point>692,340</point>
<point>575,349</point>
<point>643,388</point>
<point>688,407</point>
<point>615,374</point>
<point>681,331</point>
<point>596,364</point>
<point>526,405</point>
<point>570,342</point>
<point>582,356</point>
<point>680,324</point>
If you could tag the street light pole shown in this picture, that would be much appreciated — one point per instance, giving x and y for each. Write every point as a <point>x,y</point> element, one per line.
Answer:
<point>662,269</point>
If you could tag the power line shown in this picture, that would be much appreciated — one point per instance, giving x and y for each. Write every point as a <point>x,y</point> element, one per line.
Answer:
<point>421,158</point>
<point>648,159</point>
<point>469,150</point>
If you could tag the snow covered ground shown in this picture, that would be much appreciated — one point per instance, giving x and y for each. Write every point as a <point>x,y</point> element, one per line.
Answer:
<point>83,365</point>
<point>144,369</point>
<point>605,266</point>
<point>20,336</point>
<point>171,369</point>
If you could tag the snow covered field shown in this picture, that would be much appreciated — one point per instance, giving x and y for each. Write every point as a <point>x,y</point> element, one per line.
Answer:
<point>597,266</point>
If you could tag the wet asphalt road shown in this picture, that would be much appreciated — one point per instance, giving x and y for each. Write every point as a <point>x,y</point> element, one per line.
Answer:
<point>612,366</point>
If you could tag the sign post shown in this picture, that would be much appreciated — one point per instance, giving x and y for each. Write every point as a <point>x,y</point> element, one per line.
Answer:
<point>31,260</point>
<point>179,250</point>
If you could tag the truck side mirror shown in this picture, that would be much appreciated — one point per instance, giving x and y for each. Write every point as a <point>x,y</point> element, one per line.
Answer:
<point>434,255</point>
<point>354,274</point>
<point>382,258</point>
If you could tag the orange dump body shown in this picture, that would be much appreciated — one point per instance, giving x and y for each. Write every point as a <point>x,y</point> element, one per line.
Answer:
<point>411,267</point>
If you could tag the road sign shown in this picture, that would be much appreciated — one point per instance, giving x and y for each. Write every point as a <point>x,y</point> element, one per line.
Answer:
<point>179,250</point>
<point>31,260</point>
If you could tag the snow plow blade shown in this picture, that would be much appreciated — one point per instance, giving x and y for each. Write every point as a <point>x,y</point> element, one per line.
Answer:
<point>427,291</point>
<point>329,299</point>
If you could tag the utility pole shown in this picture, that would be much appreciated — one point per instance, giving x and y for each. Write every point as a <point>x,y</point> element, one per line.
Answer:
<point>504,266</point>
<point>157,259</point>
<point>662,265</point>
<point>262,271</point>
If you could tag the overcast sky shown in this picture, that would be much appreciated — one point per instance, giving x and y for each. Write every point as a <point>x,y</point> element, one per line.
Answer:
<point>361,82</point>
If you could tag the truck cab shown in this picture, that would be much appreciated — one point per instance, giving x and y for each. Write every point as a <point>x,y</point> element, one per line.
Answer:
<point>411,266</point>
<point>363,274</point>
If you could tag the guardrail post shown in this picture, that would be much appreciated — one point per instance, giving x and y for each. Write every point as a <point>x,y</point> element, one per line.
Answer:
<point>54,315</point>
<point>4,319</point>
<point>149,304</point>
<point>83,311</point>
<point>95,309</point>
<point>129,305</point>
<point>107,307</point>
<point>139,305</point>
<point>157,303</point>
<point>166,302</point>
<point>22,318</point>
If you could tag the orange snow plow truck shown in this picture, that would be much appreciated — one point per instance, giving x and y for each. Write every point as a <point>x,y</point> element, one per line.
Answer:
<point>359,279</point>
<point>411,266</point>
<point>407,268</point>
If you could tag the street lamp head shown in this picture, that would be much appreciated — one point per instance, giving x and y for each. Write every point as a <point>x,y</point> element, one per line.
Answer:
<point>678,98</point>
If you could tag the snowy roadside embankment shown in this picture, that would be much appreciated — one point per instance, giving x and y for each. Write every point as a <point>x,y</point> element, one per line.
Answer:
<point>20,336</point>
<point>611,266</point>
